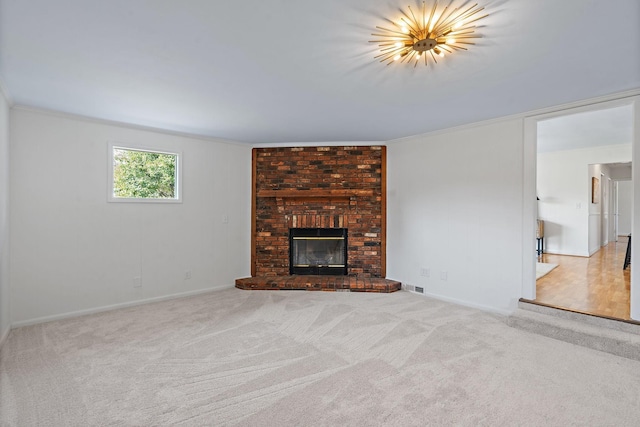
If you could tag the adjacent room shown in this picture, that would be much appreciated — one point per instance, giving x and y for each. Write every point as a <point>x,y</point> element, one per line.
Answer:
<point>284,213</point>
<point>584,204</point>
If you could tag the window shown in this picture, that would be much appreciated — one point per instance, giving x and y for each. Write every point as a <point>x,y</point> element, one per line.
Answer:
<point>142,175</point>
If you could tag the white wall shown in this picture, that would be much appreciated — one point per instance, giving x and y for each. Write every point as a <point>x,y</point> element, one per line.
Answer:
<point>564,188</point>
<point>621,172</point>
<point>72,252</point>
<point>455,205</point>
<point>5,315</point>
<point>625,206</point>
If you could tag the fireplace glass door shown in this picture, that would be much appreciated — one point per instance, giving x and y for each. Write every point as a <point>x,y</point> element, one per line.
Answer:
<point>318,251</point>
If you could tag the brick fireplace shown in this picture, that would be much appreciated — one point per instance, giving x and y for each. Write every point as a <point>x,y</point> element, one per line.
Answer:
<point>324,188</point>
<point>319,187</point>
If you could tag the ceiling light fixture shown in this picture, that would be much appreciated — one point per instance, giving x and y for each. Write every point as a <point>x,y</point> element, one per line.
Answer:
<point>430,33</point>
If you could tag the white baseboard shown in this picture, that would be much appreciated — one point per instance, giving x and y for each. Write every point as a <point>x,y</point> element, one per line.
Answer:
<point>502,312</point>
<point>115,306</point>
<point>567,254</point>
<point>4,335</point>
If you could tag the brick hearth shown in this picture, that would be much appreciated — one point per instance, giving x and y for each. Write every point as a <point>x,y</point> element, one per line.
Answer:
<point>319,283</point>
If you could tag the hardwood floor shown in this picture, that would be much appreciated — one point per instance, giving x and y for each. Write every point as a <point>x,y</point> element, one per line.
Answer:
<point>597,285</point>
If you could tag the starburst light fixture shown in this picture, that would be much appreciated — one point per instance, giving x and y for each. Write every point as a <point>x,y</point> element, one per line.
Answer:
<point>429,33</point>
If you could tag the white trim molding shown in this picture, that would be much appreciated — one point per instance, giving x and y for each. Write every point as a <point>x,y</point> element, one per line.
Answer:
<point>125,125</point>
<point>116,306</point>
<point>634,311</point>
<point>551,111</point>
<point>5,93</point>
<point>3,336</point>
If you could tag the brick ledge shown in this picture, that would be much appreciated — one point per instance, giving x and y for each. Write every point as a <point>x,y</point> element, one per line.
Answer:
<point>319,283</point>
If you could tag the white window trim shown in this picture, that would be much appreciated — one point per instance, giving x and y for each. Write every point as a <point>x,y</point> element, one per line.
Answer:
<point>134,147</point>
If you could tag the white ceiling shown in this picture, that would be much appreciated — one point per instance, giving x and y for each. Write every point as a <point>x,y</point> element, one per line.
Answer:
<point>302,71</point>
<point>611,126</point>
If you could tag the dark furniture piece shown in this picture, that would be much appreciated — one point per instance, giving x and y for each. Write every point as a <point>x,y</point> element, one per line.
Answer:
<point>540,237</point>
<point>627,257</point>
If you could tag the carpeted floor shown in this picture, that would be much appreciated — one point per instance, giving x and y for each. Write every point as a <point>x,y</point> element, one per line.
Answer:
<point>293,358</point>
<point>544,268</point>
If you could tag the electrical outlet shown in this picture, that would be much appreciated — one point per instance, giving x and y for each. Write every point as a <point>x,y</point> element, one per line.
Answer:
<point>425,272</point>
<point>137,282</point>
<point>443,275</point>
<point>419,290</point>
<point>187,275</point>
<point>225,219</point>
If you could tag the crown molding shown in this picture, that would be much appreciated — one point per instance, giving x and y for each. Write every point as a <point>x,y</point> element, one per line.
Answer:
<point>542,111</point>
<point>318,144</point>
<point>88,119</point>
<point>617,96</point>
<point>132,126</point>
<point>5,93</point>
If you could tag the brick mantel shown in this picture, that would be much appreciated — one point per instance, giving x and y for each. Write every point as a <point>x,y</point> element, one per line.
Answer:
<point>297,193</point>
<point>325,187</point>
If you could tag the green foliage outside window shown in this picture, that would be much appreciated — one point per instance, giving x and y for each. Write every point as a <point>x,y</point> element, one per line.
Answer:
<point>144,174</point>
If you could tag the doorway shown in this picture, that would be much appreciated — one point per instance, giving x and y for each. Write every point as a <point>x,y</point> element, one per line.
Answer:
<point>580,227</point>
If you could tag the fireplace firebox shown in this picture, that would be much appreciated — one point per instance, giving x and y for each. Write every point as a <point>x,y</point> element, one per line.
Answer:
<point>318,251</point>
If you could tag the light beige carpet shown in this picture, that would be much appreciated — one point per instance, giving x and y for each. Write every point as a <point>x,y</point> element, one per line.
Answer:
<point>544,268</point>
<point>287,358</point>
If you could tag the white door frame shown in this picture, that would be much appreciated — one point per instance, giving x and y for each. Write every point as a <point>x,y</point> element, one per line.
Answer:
<point>612,220</point>
<point>529,188</point>
<point>604,200</point>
